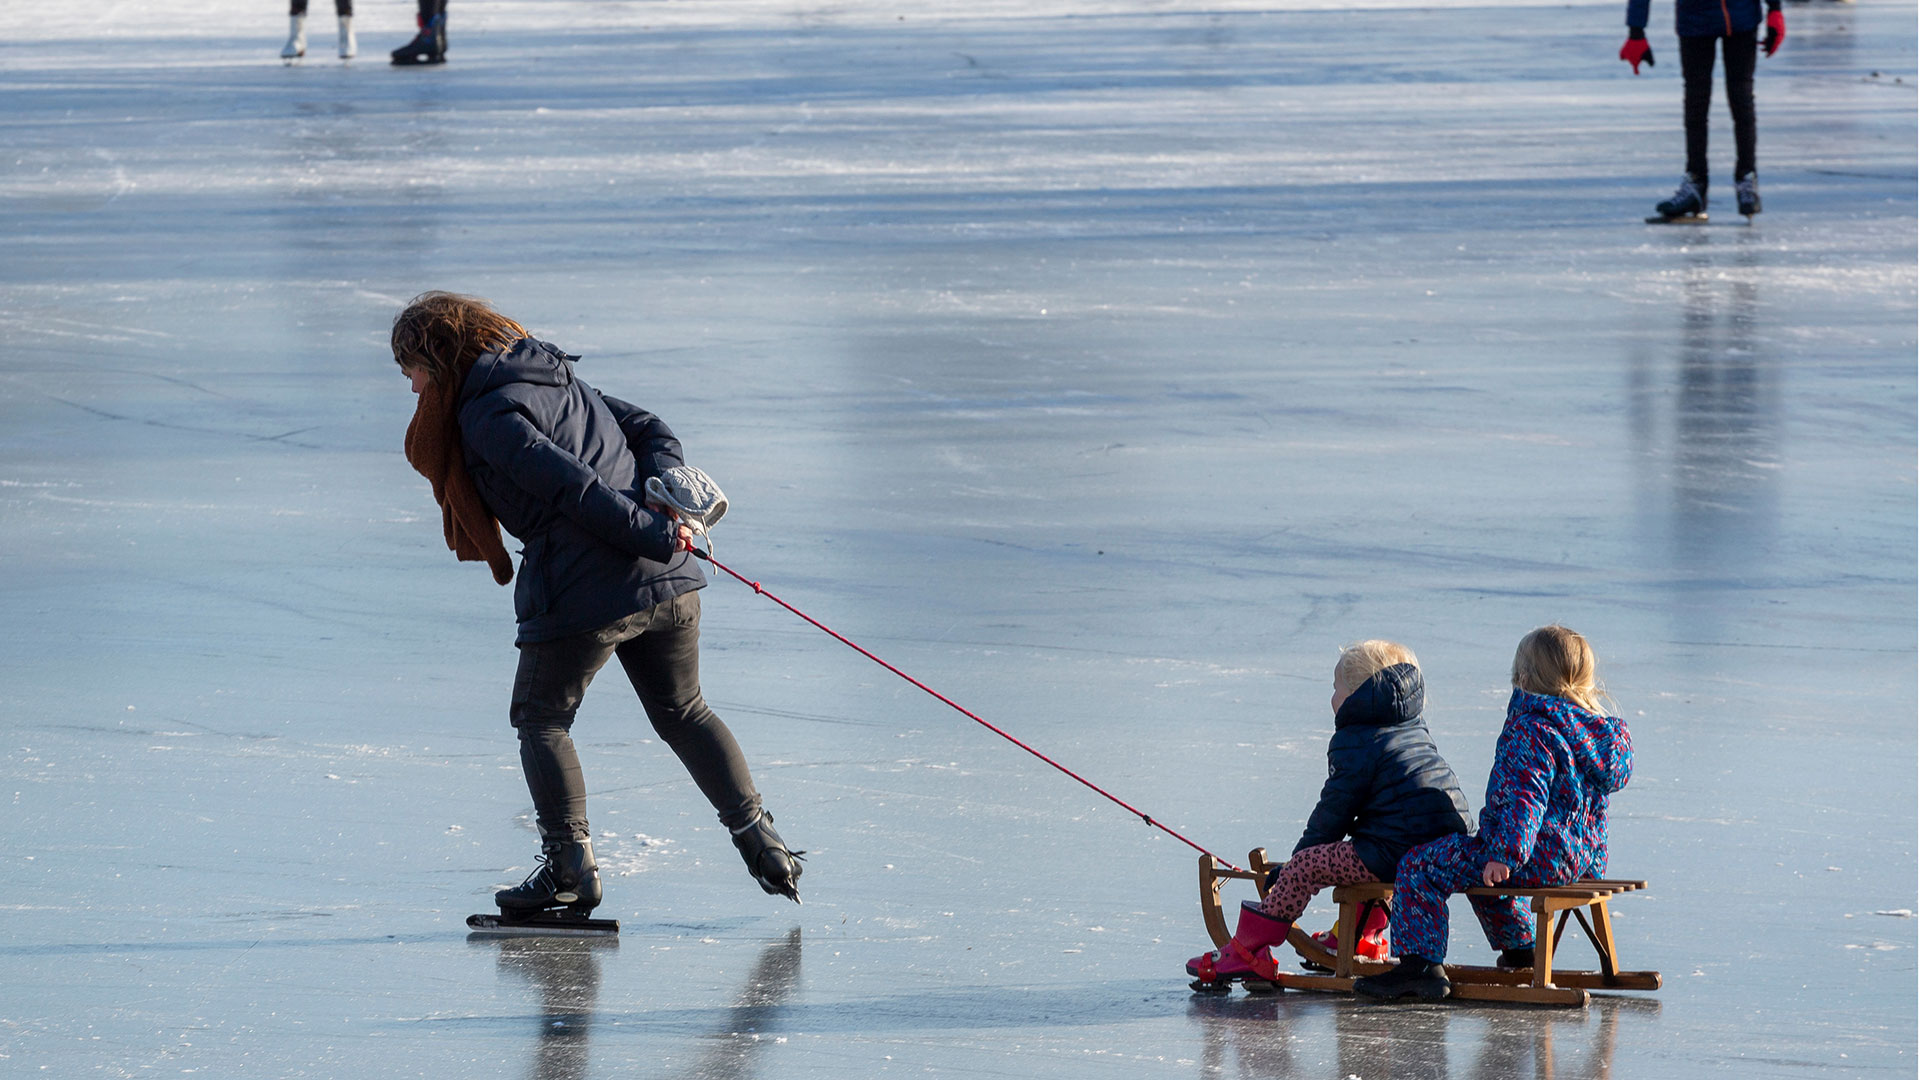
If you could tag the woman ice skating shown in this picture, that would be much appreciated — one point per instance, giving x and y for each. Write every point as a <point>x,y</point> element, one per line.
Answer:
<point>1387,787</point>
<point>429,46</point>
<point>509,436</point>
<point>1701,24</point>
<point>1544,822</point>
<point>296,46</point>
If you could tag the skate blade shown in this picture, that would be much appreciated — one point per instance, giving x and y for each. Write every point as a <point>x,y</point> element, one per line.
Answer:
<point>1201,986</point>
<point>543,924</point>
<point>1678,219</point>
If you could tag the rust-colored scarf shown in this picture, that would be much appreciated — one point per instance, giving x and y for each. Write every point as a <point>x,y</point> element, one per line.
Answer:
<point>433,449</point>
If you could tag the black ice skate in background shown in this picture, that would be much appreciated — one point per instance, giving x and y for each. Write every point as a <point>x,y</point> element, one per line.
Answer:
<point>429,46</point>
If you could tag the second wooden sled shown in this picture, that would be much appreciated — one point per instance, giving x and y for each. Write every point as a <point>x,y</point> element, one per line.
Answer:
<point>1584,902</point>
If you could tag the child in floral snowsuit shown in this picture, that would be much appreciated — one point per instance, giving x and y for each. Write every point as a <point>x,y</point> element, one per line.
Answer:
<point>1544,823</point>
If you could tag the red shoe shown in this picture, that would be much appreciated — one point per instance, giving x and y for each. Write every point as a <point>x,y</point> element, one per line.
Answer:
<point>1246,956</point>
<point>1373,937</point>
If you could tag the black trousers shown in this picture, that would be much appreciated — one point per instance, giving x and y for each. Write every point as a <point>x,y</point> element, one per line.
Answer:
<point>660,650</point>
<point>342,8</point>
<point>1696,68</point>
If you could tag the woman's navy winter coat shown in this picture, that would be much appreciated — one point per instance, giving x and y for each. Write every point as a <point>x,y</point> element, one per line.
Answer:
<point>1387,785</point>
<point>563,467</point>
<point>1704,18</point>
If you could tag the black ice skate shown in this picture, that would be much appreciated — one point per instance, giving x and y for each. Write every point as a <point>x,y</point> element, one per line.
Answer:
<point>428,47</point>
<point>768,859</point>
<point>1746,192</point>
<point>557,898</point>
<point>1688,205</point>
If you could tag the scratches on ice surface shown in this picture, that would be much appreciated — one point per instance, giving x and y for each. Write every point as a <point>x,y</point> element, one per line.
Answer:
<point>623,855</point>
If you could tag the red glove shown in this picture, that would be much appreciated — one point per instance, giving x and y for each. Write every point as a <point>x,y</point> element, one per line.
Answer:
<point>1637,50</point>
<point>1776,30</point>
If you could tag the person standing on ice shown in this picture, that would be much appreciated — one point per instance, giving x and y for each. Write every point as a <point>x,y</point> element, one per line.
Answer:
<point>296,46</point>
<point>1702,24</point>
<point>1544,822</point>
<point>509,436</point>
<point>1387,787</point>
<point>429,46</point>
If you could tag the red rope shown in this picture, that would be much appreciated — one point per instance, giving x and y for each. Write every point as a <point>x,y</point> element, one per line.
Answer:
<point>842,639</point>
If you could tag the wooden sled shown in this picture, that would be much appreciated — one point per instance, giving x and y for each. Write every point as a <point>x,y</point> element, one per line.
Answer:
<point>1583,901</point>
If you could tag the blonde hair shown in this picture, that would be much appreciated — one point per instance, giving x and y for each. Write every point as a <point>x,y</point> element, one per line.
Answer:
<point>1557,662</point>
<point>1361,661</point>
<point>443,333</point>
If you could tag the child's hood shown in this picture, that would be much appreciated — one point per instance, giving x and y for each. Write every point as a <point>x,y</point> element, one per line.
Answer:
<point>1393,695</point>
<point>1600,745</point>
<point>528,360</point>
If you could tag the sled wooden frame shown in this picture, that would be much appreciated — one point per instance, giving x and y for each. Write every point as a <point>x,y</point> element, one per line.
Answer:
<point>1584,901</point>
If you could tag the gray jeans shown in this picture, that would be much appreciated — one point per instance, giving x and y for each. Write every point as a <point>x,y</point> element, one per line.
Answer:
<point>660,650</point>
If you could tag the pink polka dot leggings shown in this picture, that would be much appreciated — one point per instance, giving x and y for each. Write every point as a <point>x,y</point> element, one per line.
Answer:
<point>1309,871</point>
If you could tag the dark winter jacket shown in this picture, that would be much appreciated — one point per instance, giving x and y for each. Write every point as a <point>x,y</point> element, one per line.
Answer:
<point>1705,18</point>
<point>1387,785</point>
<point>563,467</point>
<point>1553,768</point>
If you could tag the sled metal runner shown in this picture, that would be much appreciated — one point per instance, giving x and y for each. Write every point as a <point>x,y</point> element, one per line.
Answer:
<point>1583,903</point>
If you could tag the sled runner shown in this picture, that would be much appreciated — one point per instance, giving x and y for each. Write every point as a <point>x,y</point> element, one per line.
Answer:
<point>1584,902</point>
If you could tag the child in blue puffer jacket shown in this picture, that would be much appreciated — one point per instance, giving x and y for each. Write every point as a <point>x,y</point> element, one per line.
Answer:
<point>1734,26</point>
<point>1544,823</point>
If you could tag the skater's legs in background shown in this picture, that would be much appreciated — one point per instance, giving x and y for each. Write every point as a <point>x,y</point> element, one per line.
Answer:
<point>1741,53</point>
<point>663,663</point>
<point>547,690</point>
<point>1309,871</point>
<point>1696,71</point>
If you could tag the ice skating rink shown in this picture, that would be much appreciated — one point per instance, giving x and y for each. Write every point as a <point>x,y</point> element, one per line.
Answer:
<point>1105,364</point>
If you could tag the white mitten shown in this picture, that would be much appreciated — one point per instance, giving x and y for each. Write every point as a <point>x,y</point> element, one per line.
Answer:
<point>693,494</point>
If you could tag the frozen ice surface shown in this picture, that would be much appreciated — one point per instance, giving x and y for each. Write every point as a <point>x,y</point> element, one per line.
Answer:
<point>1105,364</point>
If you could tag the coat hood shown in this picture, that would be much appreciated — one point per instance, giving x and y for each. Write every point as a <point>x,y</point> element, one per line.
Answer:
<point>1393,695</point>
<point>528,360</point>
<point>1598,744</point>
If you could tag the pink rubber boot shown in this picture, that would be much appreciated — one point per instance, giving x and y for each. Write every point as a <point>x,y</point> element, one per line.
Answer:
<point>1246,956</point>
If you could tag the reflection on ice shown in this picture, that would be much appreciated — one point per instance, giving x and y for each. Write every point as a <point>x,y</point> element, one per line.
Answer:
<point>1707,420</point>
<point>565,973</point>
<point>734,1051</point>
<point>1285,1037</point>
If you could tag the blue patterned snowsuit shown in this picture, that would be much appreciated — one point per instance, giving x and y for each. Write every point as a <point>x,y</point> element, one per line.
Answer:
<point>1545,818</point>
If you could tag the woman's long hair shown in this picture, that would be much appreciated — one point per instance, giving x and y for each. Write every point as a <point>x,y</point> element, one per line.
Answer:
<point>443,333</point>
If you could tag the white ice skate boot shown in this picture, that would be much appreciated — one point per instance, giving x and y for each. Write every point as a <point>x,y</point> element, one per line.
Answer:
<point>296,46</point>
<point>349,48</point>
